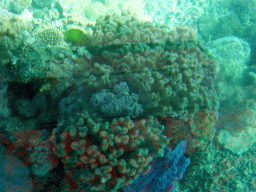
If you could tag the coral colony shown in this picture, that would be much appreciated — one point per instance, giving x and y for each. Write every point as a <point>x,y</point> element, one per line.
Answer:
<point>129,69</point>
<point>114,104</point>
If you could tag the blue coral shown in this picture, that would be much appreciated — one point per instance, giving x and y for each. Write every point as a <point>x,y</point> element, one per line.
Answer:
<point>163,172</point>
<point>119,103</point>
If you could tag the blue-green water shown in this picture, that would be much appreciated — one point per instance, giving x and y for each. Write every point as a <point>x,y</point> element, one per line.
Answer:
<point>145,95</point>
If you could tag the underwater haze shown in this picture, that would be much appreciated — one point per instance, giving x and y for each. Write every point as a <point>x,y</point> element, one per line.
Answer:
<point>128,96</point>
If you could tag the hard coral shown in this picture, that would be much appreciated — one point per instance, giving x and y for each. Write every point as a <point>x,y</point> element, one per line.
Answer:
<point>50,35</point>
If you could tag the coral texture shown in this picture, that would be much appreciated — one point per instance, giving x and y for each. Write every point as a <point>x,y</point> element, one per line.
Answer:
<point>198,132</point>
<point>171,73</point>
<point>163,172</point>
<point>4,109</point>
<point>107,156</point>
<point>50,35</point>
<point>34,148</point>
<point>43,3</point>
<point>119,103</point>
<point>232,54</point>
<point>12,33</point>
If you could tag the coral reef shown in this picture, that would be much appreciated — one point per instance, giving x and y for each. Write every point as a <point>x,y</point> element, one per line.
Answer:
<point>232,55</point>
<point>4,108</point>
<point>119,103</point>
<point>220,170</point>
<point>199,132</point>
<point>13,30</point>
<point>50,35</point>
<point>107,156</point>
<point>43,3</point>
<point>125,67</point>
<point>163,172</point>
<point>236,128</point>
<point>34,148</point>
<point>160,66</point>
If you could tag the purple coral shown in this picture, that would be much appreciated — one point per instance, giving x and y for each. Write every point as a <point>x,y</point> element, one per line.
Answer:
<point>120,103</point>
<point>163,172</point>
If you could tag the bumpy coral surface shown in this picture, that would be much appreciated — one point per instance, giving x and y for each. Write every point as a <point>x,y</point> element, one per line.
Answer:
<point>118,103</point>
<point>12,33</point>
<point>171,73</point>
<point>50,35</point>
<point>198,132</point>
<point>107,156</point>
<point>163,172</point>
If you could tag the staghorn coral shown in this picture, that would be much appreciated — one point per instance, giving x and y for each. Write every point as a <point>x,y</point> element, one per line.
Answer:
<point>220,170</point>
<point>107,156</point>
